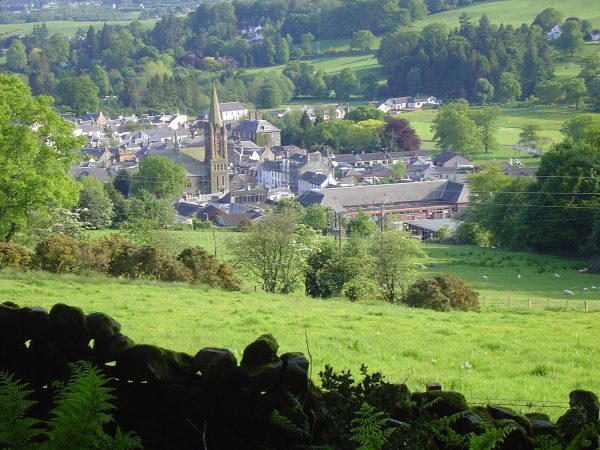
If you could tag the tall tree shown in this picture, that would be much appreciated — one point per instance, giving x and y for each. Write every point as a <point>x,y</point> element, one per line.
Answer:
<point>571,38</point>
<point>453,129</point>
<point>37,148</point>
<point>160,177</point>
<point>486,119</point>
<point>80,93</point>
<point>575,90</point>
<point>16,58</point>
<point>346,85</point>
<point>548,18</point>
<point>398,135</point>
<point>483,92</point>
<point>95,208</point>
<point>509,89</point>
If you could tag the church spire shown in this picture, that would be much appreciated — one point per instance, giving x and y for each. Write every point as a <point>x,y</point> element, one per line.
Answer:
<point>214,115</point>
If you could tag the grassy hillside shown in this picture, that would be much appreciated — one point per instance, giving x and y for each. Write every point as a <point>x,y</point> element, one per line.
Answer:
<point>516,12</point>
<point>528,359</point>
<point>69,28</point>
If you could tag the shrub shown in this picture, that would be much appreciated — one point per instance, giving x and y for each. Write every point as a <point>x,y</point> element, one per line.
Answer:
<point>471,233</point>
<point>16,256</point>
<point>57,253</point>
<point>362,287</point>
<point>442,293</point>
<point>228,280</point>
<point>94,257</point>
<point>202,265</point>
<point>157,263</point>
<point>122,255</point>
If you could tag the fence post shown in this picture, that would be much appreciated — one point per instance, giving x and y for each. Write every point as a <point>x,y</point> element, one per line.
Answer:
<point>586,305</point>
<point>548,303</point>
<point>567,304</point>
<point>509,304</point>
<point>483,302</point>
<point>529,304</point>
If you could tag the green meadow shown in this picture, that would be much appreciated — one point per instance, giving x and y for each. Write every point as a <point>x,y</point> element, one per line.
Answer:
<point>68,28</point>
<point>530,359</point>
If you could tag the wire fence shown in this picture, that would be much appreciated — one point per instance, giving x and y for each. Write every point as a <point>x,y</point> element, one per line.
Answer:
<point>538,304</point>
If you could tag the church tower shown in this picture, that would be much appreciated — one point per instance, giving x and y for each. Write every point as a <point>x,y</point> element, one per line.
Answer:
<point>215,147</point>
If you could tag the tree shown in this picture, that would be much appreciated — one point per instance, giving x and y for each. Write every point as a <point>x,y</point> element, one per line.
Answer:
<point>94,207</point>
<point>16,58</point>
<point>485,119</point>
<point>362,40</point>
<point>397,263</point>
<point>571,38</point>
<point>593,87</point>
<point>120,205</point>
<point>398,135</point>
<point>361,225</point>
<point>444,293</point>
<point>484,185</point>
<point>80,93</point>
<point>100,78</point>
<point>508,89</point>
<point>454,130</point>
<point>346,85</point>
<point>574,90</point>
<point>530,132</point>
<point>37,149</point>
<point>316,217</point>
<point>57,50</point>
<point>483,92</point>
<point>364,112</point>
<point>275,251</point>
<point>548,18</point>
<point>582,128</point>
<point>327,271</point>
<point>549,92</point>
<point>160,177</point>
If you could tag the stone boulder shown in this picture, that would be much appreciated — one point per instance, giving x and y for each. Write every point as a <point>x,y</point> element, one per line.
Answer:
<point>499,413</point>
<point>541,424</point>
<point>517,439</point>
<point>587,400</point>
<point>102,327</point>
<point>262,351</point>
<point>295,372</point>
<point>217,365</point>
<point>151,363</point>
<point>70,330</point>
<point>260,377</point>
<point>11,325</point>
<point>107,351</point>
<point>441,403</point>
<point>36,323</point>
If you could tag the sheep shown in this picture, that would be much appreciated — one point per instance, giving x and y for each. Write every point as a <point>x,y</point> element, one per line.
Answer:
<point>583,270</point>
<point>594,287</point>
<point>555,276</point>
<point>585,289</point>
<point>518,276</point>
<point>484,277</point>
<point>568,292</point>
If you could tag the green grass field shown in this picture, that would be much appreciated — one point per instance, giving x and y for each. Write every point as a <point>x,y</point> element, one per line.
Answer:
<point>519,356</point>
<point>69,28</point>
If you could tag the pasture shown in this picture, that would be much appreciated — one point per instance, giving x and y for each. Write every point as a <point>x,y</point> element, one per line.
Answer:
<point>529,359</point>
<point>69,28</point>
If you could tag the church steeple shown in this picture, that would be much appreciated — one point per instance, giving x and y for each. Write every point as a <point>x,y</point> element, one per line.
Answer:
<point>215,148</point>
<point>214,115</point>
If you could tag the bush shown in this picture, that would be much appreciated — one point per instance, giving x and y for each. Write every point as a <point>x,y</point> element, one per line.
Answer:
<point>157,263</point>
<point>15,256</point>
<point>94,257</point>
<point>362,287</point>
<point>471,233</point>
<point>122,255</point>
<point>57,253</point>
<point>443,293</point>
<point>228,280</point>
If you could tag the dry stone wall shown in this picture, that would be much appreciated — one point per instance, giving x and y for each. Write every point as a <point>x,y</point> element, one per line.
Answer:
<point>174,400</point>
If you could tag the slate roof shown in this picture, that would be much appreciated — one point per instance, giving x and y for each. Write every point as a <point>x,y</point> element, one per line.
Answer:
<point>99,173</point>
<point>187,209</point>
<point>313,178</point>
<point>356,196</point>
<point>255,126</point>
<point>234,220</point>
<point>231,106</point>
<point>447,155</point>
<point>345,158</point>
<point>375,156</point>
<point>271,166</point>
<point>434,224</point>
<point>409,154</point>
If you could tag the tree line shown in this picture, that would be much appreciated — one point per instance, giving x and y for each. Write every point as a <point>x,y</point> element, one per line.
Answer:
<point>555,212</point>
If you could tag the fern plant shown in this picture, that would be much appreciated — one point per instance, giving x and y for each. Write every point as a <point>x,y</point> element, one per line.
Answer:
<point>489,439</point>
<point>295,421</point>
<point>81,411</point>
<point>370,428</point>
<point>16,430</point>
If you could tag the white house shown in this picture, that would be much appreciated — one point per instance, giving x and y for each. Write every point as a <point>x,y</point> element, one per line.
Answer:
<point>312,180</point>
<point>272,175</point>
<point>393,104</point>
<point>232,111</point>
<point>554,33</point>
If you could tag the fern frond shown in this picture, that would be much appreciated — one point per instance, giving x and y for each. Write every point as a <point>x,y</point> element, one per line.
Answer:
<point>16,430</point>
<point>488,440</point>
<point>81,410</point>
<point>370,428</point>
<point>285,423</point>
<point>127,441</point>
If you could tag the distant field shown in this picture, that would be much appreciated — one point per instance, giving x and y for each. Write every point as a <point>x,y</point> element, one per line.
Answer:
<point>69,28</point>
<point>516,12</point>
<point>523,358</point>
